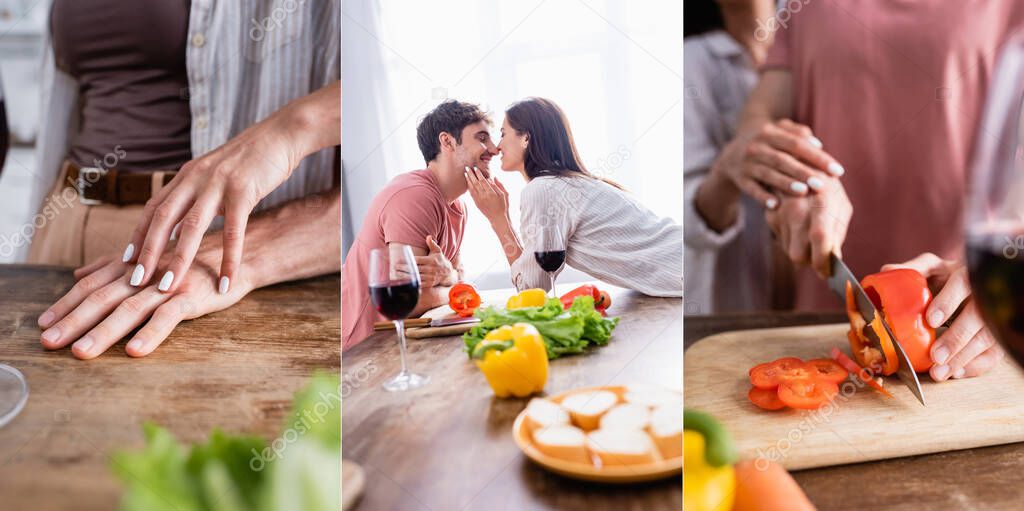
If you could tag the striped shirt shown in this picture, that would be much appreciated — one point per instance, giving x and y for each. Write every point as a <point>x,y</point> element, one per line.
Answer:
<point>245,59</point>
<point>609,235</point>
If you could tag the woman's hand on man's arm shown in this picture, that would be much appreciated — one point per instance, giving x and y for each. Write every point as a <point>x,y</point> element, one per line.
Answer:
<point>230,181</point>
<point>103,307</point>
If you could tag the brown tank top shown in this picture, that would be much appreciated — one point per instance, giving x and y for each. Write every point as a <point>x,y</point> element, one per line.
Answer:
<point>128,57</point>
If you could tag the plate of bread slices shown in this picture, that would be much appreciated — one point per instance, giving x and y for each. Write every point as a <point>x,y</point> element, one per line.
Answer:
<point>611,434</point>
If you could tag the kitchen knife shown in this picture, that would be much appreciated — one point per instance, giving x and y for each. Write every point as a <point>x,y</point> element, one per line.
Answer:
<point>425,322</point>
<point>839,277</point>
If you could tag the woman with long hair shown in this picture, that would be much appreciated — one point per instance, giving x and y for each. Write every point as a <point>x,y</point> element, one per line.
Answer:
<point>606,232</point>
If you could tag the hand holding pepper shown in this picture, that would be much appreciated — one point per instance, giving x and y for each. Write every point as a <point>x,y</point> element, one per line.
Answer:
<point>968,347</point>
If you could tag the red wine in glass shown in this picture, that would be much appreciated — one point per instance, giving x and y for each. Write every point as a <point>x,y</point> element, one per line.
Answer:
<point>395,301</point>
<point>394,290</point>
<point>997,282</point>
<point>550,261</point>
<point>549,251</point>
<point>994,214</point>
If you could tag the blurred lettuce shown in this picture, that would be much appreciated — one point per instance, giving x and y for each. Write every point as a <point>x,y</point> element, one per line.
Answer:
<point>299,470</point>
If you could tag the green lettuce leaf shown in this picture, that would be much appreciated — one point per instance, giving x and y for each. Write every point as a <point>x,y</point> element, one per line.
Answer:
<point>299,470</point>
<point>564,332</point>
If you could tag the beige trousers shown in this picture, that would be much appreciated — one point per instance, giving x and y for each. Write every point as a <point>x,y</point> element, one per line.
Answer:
<point>69,233</point>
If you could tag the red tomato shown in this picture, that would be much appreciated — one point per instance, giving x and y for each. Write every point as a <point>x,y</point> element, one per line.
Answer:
<point>807,394</point>
<point>826,369</point>
<point>766,399</point>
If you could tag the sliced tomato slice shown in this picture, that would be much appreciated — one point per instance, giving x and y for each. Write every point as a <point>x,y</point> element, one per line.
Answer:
<point>807,394</point>
<point>826,369</point>
<point>765,399</point>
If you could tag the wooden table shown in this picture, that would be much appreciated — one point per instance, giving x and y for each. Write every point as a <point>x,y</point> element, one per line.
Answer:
<point>986,478</point>
<point>236,370</point>
<point>449,445</point>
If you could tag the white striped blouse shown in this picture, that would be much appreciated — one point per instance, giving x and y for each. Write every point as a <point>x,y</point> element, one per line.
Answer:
<point>609,235</point>
<point>245,59</point>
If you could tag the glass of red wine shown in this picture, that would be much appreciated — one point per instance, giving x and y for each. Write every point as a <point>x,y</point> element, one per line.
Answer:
<point>550,252</point>
<point>395,290</point>
<point>994,215</point>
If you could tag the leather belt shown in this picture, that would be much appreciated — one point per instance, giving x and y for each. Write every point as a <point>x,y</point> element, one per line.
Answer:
<point>98,186</point>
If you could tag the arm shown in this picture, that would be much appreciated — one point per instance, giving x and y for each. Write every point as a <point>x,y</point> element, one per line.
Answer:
<point>491,198</point>
<point>538,200</point>
<point>102,307</point>
<point>433,288</point>
<point>717,199</point>
<point>231,179</point>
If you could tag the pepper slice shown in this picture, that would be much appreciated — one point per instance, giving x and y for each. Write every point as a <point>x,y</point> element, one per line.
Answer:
<point>463,299</point>
<point>769,375</point>
<point>807,394</point>
<point>826,369</point>
<point>885,362</point>
<point>767,399</point>
<point>857,370</point>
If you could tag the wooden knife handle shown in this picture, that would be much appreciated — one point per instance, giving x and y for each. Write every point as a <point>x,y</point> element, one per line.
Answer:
<point>409,323</point>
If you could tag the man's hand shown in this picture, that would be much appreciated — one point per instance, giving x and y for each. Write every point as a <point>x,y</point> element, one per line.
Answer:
<point>102,307</point>
<point>968,347</point>
<point>435,269</point>
<point>810,228</point>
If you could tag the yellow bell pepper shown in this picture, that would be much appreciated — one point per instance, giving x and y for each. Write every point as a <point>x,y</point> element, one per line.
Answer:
<point>706,487</point>
<point>535,297</point>
<point>514,360</point>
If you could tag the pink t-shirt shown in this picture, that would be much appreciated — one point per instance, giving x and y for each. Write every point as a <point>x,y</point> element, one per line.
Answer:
<point>895,92</point>
<point>408,209</point>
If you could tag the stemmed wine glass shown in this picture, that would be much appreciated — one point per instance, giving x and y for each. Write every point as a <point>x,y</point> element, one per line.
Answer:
<point>994,217</point>
<point>395,290</point>
<point>13,393</point>
<point>550,252</point>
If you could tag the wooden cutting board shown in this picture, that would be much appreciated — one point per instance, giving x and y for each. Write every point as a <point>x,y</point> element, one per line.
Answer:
<point>862,425</point>
<point>443,311</point>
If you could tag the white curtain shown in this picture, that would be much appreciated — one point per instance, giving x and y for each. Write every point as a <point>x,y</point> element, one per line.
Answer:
<point>367,115</point>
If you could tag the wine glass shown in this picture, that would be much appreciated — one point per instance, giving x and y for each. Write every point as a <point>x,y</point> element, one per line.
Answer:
<point>13,393</point>
<point>395,290</point>
<point>550,252</point>
<point>994,217</point>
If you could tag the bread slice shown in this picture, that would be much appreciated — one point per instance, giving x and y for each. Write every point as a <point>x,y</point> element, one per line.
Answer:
<point>652,396</point>
<point>586,408</point>
<point>542,413</point>
<point>617,447</point>
<point>564,442</point>
<point>667,430</point>
<point>627,416</point>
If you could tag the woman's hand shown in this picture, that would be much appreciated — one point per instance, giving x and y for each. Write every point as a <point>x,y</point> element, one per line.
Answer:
<point>488,194</point>
<point>780,156</point>
<point>968,347</point>
<point>229,181</point>
<point>102,307</point>
<point>810,228</point>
